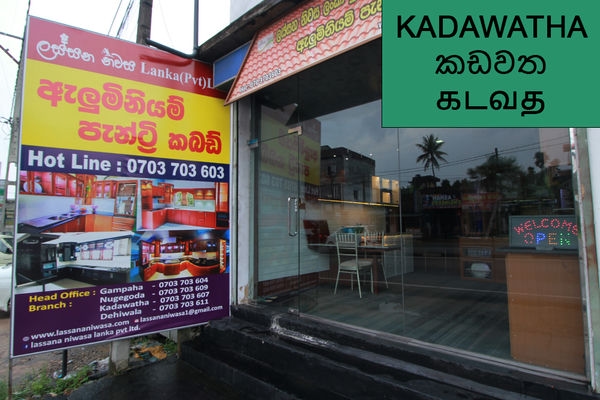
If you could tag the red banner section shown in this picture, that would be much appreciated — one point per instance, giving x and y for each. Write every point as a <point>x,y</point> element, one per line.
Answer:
<point>72,47</point>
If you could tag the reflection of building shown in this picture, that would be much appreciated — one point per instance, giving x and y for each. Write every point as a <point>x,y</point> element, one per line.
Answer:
<point>345,174</point>
<point>386,191</point>
<point>430,210</point>
<point>350,176</point>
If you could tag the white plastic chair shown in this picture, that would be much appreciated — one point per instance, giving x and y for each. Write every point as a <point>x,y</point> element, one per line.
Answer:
<point>349,261</point>
<point>376,239</point>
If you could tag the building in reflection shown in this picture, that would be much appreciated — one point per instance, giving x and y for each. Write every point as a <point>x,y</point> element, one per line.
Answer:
<point>346,175</point>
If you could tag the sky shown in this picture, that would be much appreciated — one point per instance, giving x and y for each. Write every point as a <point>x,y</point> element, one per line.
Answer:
<point>395,148</point>
<point>172,26</point>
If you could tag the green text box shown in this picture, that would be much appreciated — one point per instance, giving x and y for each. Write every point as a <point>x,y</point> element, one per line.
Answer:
<point>471,63</point>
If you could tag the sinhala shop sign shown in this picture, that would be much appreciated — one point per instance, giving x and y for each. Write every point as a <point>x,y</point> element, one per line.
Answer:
<point>123,192</point>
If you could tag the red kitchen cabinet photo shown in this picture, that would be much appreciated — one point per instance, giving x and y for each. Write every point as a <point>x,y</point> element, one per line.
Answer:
<point>222,199</point>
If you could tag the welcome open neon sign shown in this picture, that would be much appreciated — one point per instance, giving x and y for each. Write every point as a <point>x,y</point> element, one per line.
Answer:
<point>545,232</point>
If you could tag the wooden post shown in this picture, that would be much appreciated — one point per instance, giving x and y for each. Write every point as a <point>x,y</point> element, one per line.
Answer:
<point>144,21</point>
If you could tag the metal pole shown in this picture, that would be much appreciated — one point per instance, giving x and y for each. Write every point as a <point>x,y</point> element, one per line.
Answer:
<point>402,244</point>
<point>65,358</point>
<point>196,23</point>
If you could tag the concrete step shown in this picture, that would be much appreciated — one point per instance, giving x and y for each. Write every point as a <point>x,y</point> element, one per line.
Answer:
<point>286,356</point>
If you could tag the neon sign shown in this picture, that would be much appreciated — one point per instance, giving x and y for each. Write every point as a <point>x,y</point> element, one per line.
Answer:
<point>544,232</point>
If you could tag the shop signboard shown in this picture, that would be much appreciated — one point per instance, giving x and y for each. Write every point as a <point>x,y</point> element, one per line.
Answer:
<point>435,199</point>
<point>316,31</point>
<point>486,201</point>
<point>122,199</point>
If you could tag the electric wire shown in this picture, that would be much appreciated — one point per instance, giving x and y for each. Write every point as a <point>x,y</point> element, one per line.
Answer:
<point>164,22</point>
<point>115,17</point>
<point>536,146</point>
<point>125,18</point>
<point>545,144</point>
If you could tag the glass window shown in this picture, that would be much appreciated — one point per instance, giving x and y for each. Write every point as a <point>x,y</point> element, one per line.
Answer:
<point>470,235</point>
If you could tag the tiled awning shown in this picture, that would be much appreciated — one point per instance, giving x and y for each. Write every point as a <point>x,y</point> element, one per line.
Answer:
<point>307,36</point>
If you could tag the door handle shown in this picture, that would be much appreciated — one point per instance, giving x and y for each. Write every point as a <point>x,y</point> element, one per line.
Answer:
<point>293,216</point>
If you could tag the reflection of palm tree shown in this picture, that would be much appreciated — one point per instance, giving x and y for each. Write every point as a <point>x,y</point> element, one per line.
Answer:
<point>497,174</point>
<point>431,153</point>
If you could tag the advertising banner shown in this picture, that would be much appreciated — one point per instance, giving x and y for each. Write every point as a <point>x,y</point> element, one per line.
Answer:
<point>123,197</point>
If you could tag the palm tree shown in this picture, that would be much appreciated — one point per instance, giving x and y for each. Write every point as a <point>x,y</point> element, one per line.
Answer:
<point>431,153</point>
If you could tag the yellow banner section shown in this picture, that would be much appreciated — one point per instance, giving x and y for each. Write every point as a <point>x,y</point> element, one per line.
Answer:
<point>80,110</point>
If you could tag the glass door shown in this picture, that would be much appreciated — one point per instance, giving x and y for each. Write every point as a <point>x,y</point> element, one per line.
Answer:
<point>321,173</point>
<point>323,165</point>
<point>288,173</point>
<point>280,199</point>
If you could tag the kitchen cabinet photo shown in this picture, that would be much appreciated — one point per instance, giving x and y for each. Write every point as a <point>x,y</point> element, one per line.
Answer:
<point>182,254</point>
<point>104,189</point>
<point>51,183</point>
<point>70,260</point>
<point>179,205</point>
<point>37,259</point>
<point>56,202</point>
<point>125,200</point>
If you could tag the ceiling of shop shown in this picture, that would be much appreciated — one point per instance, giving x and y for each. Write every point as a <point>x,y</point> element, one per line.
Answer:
<point>344,81</point>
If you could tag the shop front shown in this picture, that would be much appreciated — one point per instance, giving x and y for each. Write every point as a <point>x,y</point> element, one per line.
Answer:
<point>452,278</point>
<point>472,237</point>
